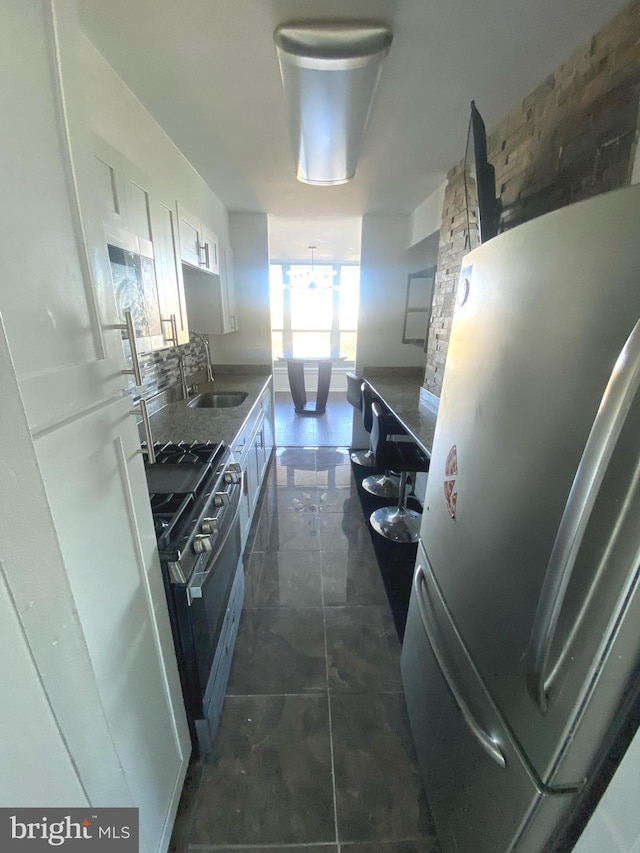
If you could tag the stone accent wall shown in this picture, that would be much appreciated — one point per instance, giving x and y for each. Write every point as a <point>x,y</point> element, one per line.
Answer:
<point>573,137</point>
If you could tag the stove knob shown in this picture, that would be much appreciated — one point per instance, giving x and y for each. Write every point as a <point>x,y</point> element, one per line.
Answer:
<point>231,477</point>
<point>202,543</point>
<point>209,525</point>
<point>221,499</point>
<point>234,466</point>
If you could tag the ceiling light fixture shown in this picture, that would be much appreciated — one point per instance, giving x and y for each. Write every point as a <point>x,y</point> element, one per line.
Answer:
<point>329,71</point>
<point>306,279</point>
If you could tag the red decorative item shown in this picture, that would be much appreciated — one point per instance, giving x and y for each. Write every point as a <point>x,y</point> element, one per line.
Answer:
<point>451,471</point>
<point>451,467</point>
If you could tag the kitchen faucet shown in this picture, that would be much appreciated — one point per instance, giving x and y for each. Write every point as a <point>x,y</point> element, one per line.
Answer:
<point>183,376</point>
<point>207,346</point>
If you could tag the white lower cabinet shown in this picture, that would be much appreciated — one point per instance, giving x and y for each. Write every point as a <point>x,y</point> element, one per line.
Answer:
<point>252,450</point>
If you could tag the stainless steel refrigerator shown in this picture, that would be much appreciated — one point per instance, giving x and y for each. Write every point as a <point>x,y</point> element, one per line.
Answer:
<point>522,647</point>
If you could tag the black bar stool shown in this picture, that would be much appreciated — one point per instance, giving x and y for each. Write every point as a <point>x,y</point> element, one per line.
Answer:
<point>397,453</point>
<point>356,396</point>
<point>387,484</point>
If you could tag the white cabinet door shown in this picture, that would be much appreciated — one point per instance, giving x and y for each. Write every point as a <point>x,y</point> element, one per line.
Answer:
<point>112,195</point>
<point>125,200</point>
<point>190,238</point>
<point>138,188</point>
<point>169,271</point>
<point>245,508</point>
<point>210,260</point>
<point>125,729</point>
<point>210,299</point>
<point>269,431</point>
<point>198,244</point>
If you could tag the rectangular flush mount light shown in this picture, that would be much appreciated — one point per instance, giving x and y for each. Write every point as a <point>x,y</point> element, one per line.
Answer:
<point>330,71</point>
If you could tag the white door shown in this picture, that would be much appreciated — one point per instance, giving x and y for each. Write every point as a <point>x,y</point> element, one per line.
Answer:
<point>123,725</point>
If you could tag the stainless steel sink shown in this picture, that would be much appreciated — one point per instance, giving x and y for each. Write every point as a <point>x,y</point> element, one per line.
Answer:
<point>218,400</point>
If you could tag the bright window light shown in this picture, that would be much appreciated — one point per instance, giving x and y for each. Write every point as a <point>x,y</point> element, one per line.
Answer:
<point>314,310</point>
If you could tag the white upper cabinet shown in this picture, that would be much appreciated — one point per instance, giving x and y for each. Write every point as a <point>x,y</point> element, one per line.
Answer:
<point>169,271</point>
<point>210,260</point>
<point>190,238</point>
<point>141,231</point>
<point>112,195</point>
<point>138,189</point>
<point>198,244</point>
<point>211,298</point>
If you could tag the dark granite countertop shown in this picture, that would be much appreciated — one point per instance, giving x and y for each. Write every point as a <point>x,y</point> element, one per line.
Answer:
<point>399,388</point>
<point>177,422</point>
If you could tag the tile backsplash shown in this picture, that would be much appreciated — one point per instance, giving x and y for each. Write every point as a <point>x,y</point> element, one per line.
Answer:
<point>161,372</point>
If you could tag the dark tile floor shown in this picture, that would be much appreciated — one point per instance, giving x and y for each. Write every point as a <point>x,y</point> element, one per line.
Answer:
<point>332,428</point>
<point>314,750</point>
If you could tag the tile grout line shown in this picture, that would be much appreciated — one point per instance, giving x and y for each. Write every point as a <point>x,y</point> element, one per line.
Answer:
<point>293,845</point>
<point>326,661</point>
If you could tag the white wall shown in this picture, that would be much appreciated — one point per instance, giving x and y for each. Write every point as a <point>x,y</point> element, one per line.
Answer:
<point>615,825</point>
<point>423,254</point>
<point>117,116</point>
<point>427,217</point>
<point>252,344</point>
<point>383,284</point>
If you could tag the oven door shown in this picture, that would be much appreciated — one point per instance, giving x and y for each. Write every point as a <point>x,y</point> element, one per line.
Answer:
<point>202,607</point>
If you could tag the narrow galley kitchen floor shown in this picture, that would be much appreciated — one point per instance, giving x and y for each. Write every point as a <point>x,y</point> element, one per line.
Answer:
<point>314,749</point>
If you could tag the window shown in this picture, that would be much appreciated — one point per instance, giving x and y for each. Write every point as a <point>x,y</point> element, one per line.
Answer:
<point>314,310</point>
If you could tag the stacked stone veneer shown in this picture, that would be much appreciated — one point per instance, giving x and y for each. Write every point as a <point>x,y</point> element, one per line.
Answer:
<point>571,138</point>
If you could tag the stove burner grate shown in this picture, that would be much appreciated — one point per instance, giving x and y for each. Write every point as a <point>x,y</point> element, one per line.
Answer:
<point>185,452</point>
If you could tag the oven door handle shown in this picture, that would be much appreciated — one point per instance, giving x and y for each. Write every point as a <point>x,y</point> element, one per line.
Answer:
<point>194,587</point>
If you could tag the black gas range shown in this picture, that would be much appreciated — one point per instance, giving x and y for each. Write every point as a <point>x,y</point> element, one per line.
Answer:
<point>196,491</point>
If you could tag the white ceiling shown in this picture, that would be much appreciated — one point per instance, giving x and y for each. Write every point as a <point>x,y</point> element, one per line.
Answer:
<point>207,71</point>
<point>336,238</point>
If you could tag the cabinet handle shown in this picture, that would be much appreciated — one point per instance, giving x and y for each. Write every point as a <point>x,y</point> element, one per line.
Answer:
<point>173,338</point>
<point>141,409</point>
<point>203,251</point>
<point>127,327</point>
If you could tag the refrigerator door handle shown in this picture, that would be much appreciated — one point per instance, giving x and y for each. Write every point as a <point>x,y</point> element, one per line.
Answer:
<point>484,739</point>
<point>616,401</point>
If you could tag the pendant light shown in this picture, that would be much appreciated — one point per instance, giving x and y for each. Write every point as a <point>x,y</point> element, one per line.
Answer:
<point>329,72</point>
<point>312,285</point>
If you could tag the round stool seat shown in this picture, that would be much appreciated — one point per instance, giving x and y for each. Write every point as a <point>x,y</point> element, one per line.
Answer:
<point>396,523</point>
<point>386,485</point>
<point>364,458</point>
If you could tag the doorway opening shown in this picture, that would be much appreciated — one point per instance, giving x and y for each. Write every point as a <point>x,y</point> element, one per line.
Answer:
<point>314,299</point>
